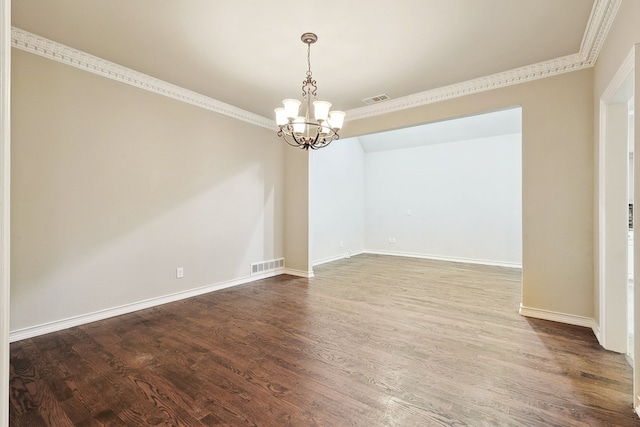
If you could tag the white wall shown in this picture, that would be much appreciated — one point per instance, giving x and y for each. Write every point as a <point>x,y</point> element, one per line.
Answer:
<point>458,200</point>
<point>114,187</point>
<point>337,188</point>
<point>464,198</point>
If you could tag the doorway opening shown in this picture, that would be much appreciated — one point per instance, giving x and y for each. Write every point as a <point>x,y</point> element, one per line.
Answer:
<point>447,190</point>
<point>617,296</point>
<point>616,302</point>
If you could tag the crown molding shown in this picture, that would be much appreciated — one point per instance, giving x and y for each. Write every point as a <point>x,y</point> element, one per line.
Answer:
<point>41,46</point>
<point>602,15</point>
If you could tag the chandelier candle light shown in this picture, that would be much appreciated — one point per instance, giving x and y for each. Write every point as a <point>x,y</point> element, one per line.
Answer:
<point>302,131</point>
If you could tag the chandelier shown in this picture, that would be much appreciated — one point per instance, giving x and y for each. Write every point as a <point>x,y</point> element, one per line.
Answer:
<point>306,131</point>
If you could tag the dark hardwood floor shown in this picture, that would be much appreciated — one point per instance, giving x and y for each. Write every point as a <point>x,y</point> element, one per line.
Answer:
<point>370,341</point>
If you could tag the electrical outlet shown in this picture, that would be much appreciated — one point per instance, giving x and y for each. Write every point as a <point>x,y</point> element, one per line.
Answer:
<point>341,243</point>
<point>179,273</point>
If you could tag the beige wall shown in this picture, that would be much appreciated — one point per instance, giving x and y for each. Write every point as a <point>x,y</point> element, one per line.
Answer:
<point>557,169</point>
<point>114,187</point>
<point>296,233</point>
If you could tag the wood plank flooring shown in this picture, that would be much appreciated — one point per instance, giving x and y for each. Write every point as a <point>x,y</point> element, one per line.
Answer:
<point>370,341</point>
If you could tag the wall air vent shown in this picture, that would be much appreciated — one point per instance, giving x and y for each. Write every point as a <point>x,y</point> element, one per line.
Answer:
<point>267,266</point>
<point>376,99</point>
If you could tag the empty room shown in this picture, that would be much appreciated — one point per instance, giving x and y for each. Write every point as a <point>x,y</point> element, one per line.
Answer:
<point>335,213</point>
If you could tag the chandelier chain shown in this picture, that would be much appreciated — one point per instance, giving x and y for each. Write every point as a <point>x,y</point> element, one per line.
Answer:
<point>308,59</point>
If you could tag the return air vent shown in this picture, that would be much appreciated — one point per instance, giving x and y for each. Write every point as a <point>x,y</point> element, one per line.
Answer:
<point>376,99</point>
<point>267,266</point>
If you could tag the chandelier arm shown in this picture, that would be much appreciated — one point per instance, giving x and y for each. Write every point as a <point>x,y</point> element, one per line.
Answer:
<point>296,143</point>
<point>322,145</point>
<point>293,135</point>
<point>316,138</point>
<point>302,143</point>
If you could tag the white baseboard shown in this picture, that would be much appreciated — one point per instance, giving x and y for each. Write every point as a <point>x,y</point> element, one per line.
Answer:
<point>58,325</point>
<point>597,333</point>
<point>298,273</point>
<point>449,259</point>
<point>336,258</point>
<point>570,319</point>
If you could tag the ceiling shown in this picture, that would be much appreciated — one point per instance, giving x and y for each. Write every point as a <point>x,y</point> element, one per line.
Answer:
<point>248,53</point>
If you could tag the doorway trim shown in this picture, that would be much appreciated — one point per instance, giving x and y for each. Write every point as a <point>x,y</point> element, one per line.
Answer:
<point>616,83</point>
<point>608,320</point>
<point>5,208</point>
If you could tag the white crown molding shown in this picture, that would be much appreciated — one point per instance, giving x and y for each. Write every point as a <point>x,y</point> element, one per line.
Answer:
<point>602,15</point>
<point>41,46</point>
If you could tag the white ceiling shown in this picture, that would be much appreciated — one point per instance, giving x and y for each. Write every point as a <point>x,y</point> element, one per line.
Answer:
<point>248,53</point>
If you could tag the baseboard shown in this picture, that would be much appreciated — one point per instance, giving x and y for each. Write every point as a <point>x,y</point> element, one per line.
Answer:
<point>349,254</point>
<point>298,273</point>
<point>58,325</point>
<point>449,259</point>
<point>596,331</point>
<point>570,319</point>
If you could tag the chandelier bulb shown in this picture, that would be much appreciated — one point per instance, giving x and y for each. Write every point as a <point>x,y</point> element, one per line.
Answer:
<point>321,110</point>
<point>336,119</point>
<point>291,107</point>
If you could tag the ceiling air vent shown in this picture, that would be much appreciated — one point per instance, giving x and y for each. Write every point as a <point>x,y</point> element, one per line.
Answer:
<point>376,99</point>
